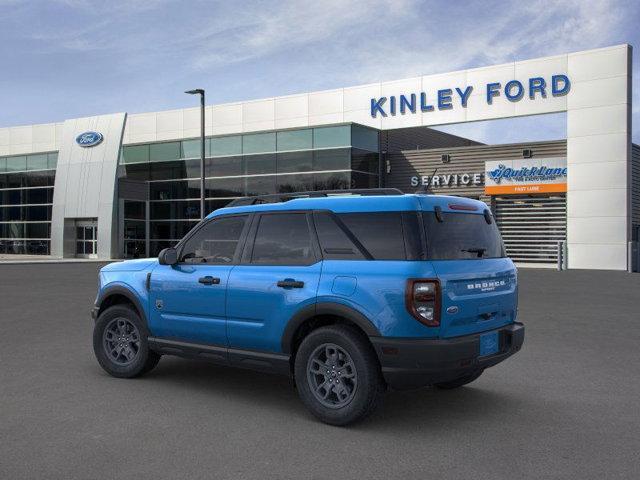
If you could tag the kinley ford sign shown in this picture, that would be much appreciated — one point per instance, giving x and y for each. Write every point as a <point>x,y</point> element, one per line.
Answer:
<point>503,177</point>
<point>445,99</point>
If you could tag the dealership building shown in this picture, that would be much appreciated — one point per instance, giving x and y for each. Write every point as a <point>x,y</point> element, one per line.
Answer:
<point>127,185</point>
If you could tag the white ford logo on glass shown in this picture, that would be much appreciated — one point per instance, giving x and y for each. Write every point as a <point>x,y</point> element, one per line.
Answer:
<point>89,139</point>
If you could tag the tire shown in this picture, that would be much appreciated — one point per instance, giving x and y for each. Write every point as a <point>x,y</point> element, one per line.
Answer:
<point>459,382</point>
<point>353,390</point>
<point>132,357</point>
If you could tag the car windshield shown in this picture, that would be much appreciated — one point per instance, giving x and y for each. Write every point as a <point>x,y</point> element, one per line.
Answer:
<point>461,236</point>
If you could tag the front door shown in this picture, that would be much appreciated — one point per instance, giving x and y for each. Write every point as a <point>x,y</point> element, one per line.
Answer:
<point>86,238</point>
<point>187,300</point>
<point>279,275</point>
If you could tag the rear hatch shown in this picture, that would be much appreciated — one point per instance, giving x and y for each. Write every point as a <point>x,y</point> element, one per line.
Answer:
<point>478,283</point>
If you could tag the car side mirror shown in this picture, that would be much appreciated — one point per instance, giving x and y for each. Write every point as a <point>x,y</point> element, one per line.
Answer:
<point>168,256</point>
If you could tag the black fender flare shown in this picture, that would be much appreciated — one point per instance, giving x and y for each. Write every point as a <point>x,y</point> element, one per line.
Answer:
<point>125,292</point>
<point>325,308</point>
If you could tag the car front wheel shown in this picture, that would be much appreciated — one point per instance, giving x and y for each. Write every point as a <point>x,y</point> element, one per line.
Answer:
<point>120,343</point>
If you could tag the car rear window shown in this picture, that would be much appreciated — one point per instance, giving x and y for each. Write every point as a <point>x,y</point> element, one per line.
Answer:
<point>461,236</point>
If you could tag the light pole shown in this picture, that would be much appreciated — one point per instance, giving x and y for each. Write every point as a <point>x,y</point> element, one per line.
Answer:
<point>200,91</point>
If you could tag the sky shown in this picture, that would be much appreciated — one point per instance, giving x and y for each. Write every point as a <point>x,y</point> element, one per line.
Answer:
<point>72,58</point>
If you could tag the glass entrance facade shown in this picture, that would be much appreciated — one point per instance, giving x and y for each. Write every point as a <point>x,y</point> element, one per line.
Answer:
<point>319,158</point>
<point>26,197</point>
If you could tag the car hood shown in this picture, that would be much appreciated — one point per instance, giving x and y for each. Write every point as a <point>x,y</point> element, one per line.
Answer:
<point>130,265</point>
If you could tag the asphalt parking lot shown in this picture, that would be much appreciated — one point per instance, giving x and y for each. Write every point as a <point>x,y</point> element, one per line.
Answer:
<point>564,407</point>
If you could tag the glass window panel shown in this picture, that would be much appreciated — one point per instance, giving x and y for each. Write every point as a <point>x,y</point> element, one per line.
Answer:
<point>134,209</point>
<point>296,183</point>
<point>134,229</point>
<point>326,137</point>
<point>260,164</point>
<point>224,166</point>
<point>339,159</point>
<point>295,140</point>
<point>134,249</point>
<point>259,143</point>
<point>37,195</point>
<point>15,230</point>
<point>223,146</point>
<point>52,160</point>
<point>180,189</point>
<point>37,213</point>
<point>16,164</point>
<point>216,242</point>
<point>295,162</point>
<point>363,180</point>
<point>16,247</point>
<point>160,152</point>
<point>37,247</point>
<point>261,185</point>
<point>332,181</point>
<point>138,171</point>
<point>170,230</point>
<point>38,179</point>
<point>364,161</point>
<point>37,162</point>
<point>3,164</point>
<point>191,148</point>
<point>224,187</point>
<point>174,210</point>
<point>283,239</point>
<point>37,230</point>
<point>364,138</point>
<point>168,170</point>
<point>135,154</point>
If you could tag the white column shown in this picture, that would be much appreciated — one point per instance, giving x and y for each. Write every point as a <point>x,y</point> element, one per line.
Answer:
<point>599,158</point>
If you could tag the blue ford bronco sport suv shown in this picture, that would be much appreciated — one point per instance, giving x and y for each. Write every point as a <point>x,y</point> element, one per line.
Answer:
<point>348,294</point>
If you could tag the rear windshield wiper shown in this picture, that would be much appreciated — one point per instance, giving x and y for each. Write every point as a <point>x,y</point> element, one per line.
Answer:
<point>479,251</point>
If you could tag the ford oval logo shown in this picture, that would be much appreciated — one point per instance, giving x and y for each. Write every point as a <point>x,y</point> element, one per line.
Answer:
<point>89,139</point>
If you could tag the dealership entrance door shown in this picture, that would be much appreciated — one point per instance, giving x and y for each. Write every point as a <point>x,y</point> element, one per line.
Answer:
<point>87,238</point>
<point>532,226</point>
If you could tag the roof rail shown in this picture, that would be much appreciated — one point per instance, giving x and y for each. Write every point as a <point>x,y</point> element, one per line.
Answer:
<point>285,197</point>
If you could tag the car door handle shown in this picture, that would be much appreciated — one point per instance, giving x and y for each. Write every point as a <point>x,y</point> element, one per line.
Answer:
<point>290,283</point>
<point>208,280</point>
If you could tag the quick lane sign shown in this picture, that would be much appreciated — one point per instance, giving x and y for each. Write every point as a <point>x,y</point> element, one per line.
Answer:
<point>445,99</point>
<point>529,175</point>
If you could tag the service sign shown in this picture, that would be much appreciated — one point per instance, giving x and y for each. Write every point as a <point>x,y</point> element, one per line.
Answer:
<point>526,175</point>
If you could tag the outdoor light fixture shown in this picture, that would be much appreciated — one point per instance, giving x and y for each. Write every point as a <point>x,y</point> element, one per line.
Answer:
<point>446,158</point>
<point>200,91</point>
<point>527,153</point>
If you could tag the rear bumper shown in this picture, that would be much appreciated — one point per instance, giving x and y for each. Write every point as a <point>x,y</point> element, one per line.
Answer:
<point>411,363</point>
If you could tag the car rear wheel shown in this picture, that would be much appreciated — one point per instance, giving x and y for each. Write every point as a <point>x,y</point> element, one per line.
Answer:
<point>120,343</point>
<point>459,382</point>
<point>338,375</point>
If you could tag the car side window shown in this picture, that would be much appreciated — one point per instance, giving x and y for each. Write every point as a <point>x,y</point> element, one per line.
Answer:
<point>283,239</point>
<point>214,243</point>
<point>381,233</point>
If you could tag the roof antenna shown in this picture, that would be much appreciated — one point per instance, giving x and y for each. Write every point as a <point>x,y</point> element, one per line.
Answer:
<point>426,189</point>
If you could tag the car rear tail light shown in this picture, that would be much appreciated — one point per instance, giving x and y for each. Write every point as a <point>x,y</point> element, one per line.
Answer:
<point>423,301</point>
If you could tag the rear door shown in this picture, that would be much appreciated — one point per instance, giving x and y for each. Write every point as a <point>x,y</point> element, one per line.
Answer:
<point>278,275</point>
<point>479,284</point>
<point>188,299</point>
